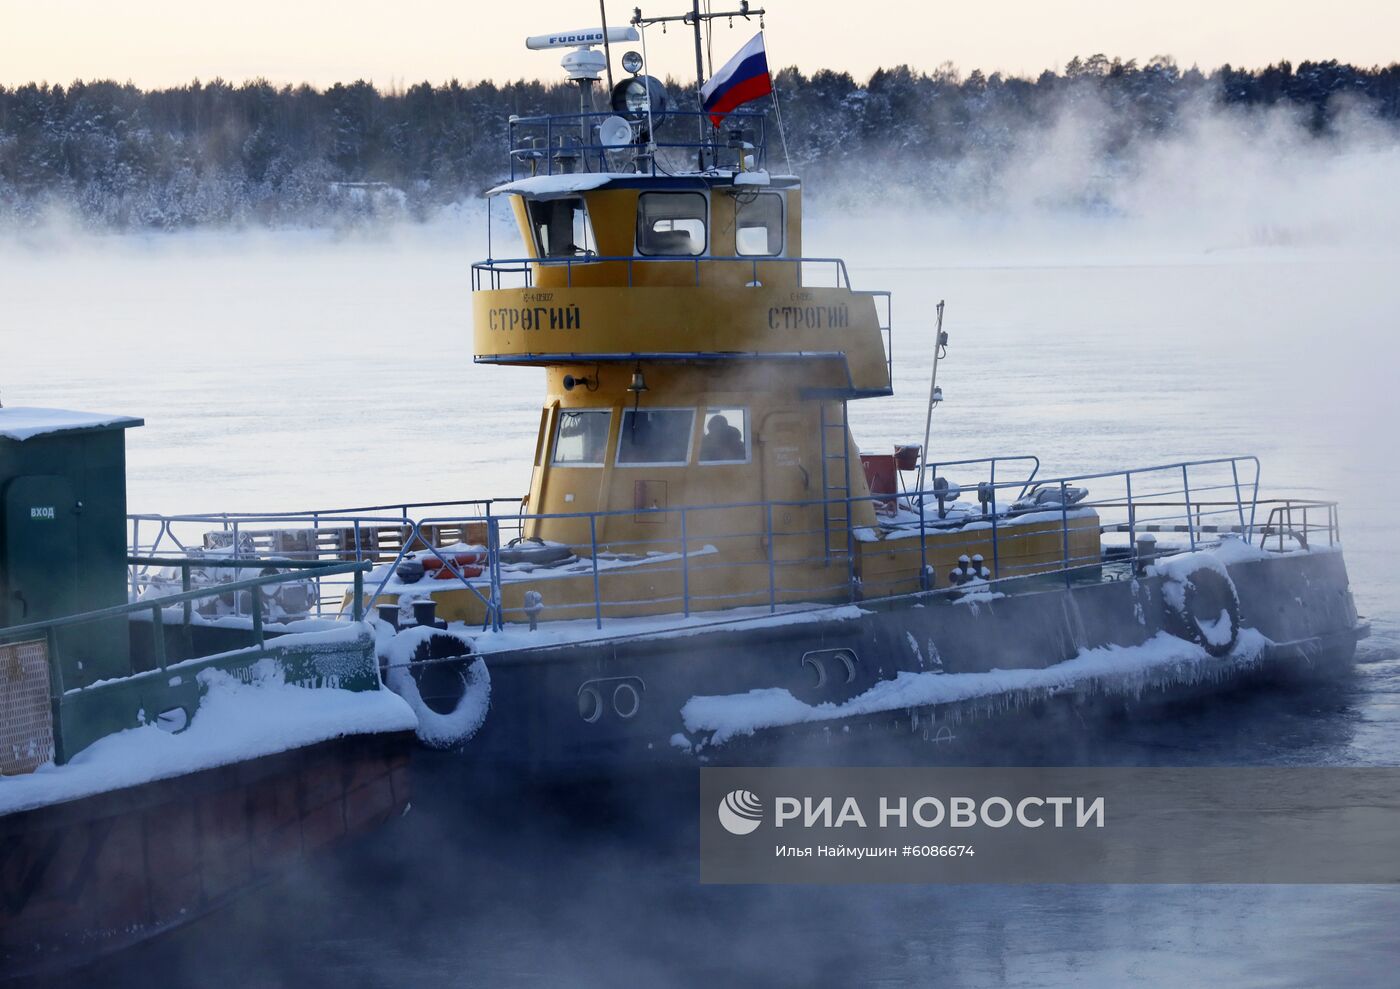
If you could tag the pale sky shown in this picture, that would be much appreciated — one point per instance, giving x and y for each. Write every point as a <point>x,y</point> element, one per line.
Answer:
<point>168,42</point>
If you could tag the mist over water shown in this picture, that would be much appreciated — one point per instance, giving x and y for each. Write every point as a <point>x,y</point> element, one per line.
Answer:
<point>1230,289</point>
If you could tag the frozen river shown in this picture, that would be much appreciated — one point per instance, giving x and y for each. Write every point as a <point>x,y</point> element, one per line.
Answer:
<point>299,370</point>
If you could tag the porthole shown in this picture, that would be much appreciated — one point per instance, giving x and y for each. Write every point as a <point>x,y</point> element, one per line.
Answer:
<point>590,704</point>
<point>626,701</point>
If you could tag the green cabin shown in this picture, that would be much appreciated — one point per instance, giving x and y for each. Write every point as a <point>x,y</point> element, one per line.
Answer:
<point>63,532</point>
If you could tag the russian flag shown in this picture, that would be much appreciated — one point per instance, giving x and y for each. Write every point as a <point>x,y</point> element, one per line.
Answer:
<point>742,79</point>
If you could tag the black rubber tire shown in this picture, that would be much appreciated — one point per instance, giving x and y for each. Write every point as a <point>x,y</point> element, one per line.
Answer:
<point>442,684</point>
<point>1206,594</point>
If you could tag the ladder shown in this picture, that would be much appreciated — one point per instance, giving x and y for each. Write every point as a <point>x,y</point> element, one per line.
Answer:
<point>836,480</point>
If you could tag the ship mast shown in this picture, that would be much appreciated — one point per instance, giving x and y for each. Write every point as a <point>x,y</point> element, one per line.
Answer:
<point>695,18</point>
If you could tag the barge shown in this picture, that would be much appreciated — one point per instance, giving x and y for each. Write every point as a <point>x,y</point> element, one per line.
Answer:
<point>153,766</point>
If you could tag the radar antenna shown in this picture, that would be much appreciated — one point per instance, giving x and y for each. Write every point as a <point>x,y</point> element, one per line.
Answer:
<point>583,64</point>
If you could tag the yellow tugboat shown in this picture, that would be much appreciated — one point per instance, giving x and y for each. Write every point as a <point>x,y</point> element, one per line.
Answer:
<point>705,555</point>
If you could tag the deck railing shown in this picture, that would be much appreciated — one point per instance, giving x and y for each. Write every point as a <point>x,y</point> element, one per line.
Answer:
<point>767,554</point>
<point>541,145</point>
<point>81,715</point>
<point>498,273</point>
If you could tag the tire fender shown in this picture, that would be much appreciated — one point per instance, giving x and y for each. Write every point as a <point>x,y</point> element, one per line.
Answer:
<point>1203,607</point>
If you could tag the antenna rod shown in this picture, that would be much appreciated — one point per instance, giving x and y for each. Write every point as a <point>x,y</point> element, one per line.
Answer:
<point>932,391</point>
<point>607,49</point>
<point>699,77</point>
<point>699,55</point>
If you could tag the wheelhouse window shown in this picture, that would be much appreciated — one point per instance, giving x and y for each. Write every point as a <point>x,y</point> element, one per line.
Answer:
<point>671,223</point>
<point>726,437</point>
<point>562,228</point>
<point>655,436</point>
<point>758,225</point>
<point>582,439</point>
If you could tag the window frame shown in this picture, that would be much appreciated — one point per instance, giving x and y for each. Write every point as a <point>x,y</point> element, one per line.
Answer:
<point>782,226</point>
<point>589,233</point>
<point>622,431</point>
<point>554,460</point>
<point>748,441</point>
<point>705,222</point>
<point>542,436</point>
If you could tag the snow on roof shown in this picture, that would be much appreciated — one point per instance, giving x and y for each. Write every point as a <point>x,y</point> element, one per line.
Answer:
<point>21,424</point>
<point>557,186</point>
<point>554,186</point>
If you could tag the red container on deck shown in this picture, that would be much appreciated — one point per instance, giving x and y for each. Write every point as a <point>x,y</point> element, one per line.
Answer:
<point>880,475</point>
<point>906,456</point>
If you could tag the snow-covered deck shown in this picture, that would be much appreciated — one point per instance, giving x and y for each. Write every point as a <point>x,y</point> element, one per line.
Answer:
<point>236,721</point>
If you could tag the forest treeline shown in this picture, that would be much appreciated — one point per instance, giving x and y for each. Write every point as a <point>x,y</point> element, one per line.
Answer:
<point>119,157</point>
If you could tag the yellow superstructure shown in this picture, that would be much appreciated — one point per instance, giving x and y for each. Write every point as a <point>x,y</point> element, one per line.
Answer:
<point>693,447</point>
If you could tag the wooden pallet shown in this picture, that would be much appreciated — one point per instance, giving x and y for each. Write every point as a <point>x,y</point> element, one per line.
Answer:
<point>376,543</point>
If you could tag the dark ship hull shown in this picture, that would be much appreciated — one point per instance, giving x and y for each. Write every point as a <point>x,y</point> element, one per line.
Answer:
<point>652,698</point>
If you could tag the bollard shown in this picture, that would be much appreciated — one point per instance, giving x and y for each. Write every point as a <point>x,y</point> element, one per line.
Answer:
<point>1144,550</point>
<point>425,613</point>
<point>534,604</point>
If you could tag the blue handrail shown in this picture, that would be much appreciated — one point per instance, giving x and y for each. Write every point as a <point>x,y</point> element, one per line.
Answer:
<point>548,139</point>
<point>495,267</point>
<point>1193,498</point>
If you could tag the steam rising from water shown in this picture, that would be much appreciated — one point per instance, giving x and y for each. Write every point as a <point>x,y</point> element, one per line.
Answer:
<point>1224,179</point>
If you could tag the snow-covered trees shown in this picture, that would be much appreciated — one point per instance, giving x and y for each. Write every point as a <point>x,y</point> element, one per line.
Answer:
<point>212,152</point>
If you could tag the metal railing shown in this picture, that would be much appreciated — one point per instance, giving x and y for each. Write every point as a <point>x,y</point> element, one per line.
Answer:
<point>768,554</point>
<point>241,540</point>
<point>1288,521</point>
<point>934,469</point>
<point>543,144</point>
<point>83,714</point>
<point>490,272</point>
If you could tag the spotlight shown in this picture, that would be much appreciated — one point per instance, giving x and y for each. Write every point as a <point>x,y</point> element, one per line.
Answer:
<point>640,97</point>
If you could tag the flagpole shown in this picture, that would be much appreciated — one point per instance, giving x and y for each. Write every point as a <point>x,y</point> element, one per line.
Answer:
<point>651,124</point>
<point>699,77</point>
